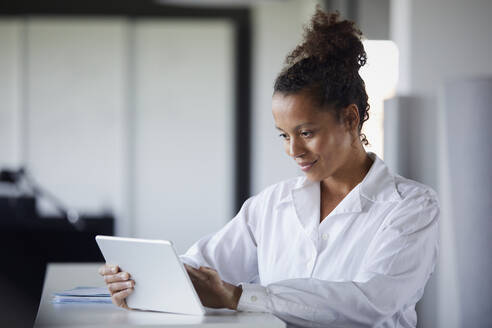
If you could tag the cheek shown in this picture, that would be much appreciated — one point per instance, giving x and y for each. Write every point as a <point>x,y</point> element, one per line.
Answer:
<point>341,139</point>
<point>286,147</point>
<point>331,146</point>
<point>345,141</point>
<point>325,145</point>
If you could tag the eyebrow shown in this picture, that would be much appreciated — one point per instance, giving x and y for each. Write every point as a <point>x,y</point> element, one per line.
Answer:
<point>297,126</point>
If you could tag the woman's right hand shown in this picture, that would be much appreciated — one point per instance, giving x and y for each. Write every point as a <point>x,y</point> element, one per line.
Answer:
<point>119,284</point>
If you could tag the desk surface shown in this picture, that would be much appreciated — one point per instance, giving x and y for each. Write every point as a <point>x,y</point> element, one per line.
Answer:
<point>60,277</point>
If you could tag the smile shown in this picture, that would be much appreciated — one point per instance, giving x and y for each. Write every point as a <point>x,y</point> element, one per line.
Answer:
<point>306,166</point>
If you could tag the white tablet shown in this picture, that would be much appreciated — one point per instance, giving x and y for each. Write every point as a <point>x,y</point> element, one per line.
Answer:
<point>161,280</point>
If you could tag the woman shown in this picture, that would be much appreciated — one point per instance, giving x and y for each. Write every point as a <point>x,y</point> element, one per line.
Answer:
<point>348,245</point>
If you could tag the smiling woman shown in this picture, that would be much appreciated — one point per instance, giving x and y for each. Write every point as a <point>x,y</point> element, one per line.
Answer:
<point>325,149</point>
<point>350,244</point>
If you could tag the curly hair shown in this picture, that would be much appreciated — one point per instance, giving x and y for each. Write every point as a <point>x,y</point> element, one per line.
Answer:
<point>326,64</point>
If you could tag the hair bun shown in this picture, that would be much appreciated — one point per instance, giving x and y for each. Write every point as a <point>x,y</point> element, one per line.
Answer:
<point>330,41</point>
<point>326,65</point>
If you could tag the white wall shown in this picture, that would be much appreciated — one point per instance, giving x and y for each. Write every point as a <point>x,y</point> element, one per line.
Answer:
<point>440,40</point>
<point>183,129</point>
<point>123,118</point>
<point>74,111</point>
<point>277,29</point>
<point>373,18</point>
<point>450,38</point>
<point>10,95</point>
<point>467,109</point>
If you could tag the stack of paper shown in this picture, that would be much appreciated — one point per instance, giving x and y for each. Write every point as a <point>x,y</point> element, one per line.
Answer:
<point>83,295</point>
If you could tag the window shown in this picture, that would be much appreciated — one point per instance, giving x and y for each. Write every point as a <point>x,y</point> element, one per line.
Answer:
<point>380,75</point>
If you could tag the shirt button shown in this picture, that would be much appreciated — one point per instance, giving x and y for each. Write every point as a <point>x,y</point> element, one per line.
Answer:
<point>253,298</point>
<point>324,236</point>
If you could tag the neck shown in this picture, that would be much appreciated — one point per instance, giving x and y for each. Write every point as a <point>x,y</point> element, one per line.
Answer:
<point>349,175</point>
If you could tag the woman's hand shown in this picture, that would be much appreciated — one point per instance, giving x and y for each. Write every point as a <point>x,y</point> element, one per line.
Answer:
<point>214,292</point>
<point>118,282</point>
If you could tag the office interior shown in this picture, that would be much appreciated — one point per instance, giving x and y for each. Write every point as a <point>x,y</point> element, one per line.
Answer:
<point>152,119</point>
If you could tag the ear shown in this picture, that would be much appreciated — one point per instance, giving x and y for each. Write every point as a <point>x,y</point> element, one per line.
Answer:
<point>351,117</point>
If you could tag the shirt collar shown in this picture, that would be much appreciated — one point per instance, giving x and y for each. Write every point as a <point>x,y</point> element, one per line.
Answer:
<point>378,186</point>
<point>379,183</point>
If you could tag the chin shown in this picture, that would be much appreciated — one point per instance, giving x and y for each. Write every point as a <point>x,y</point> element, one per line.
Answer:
<point>318,174</point>
<point>313,177</point>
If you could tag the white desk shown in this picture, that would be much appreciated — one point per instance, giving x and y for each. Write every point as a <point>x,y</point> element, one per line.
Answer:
<point>60,277</point>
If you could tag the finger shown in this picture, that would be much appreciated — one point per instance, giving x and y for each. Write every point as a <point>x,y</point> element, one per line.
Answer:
<point>108,269</point>
<point>191,269</point>
<point>196,273</point>
<point>207,270</point>
<point>118,299</point>
<point>121,276</point>
<point>118,286</point>
<point>193,279</point>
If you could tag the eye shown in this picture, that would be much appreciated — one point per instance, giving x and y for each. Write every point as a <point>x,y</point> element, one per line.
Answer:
<point>283,136</point>
<point>307,134</point>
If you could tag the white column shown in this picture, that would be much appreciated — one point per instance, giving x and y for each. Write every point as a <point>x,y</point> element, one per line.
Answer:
<point>466,111</point>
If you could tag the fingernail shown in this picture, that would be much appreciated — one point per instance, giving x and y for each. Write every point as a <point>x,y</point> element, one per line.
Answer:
<point>113,269</point>
<point>129,284</point>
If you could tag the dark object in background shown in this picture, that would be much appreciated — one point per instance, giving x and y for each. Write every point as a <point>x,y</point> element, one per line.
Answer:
<point>28,242</point>
<point>26,246</point>
<point>10,176</point>
<point>26,186</point>
<point>17,208</point>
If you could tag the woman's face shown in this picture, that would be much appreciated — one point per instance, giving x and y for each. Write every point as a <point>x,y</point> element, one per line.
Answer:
<point>312,137</point>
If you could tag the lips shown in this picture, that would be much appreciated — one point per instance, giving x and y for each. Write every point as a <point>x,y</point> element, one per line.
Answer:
<point>305,166</point>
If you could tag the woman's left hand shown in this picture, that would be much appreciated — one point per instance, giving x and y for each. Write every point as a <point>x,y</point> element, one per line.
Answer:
<point>214,292</point>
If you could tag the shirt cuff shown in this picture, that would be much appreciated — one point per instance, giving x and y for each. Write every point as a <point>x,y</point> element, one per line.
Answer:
<point>253,299</point>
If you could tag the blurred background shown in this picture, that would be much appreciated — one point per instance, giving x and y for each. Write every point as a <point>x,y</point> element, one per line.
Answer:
<point>152,119</point>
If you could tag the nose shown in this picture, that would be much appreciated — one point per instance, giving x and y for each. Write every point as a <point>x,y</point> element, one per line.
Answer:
<point>296,149</point>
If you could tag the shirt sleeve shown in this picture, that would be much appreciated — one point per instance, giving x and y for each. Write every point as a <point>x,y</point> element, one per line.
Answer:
<point>232,250</point>
<point>397,266</point>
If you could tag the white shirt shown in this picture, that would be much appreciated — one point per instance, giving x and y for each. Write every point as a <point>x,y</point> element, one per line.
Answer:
<point>365,265</point>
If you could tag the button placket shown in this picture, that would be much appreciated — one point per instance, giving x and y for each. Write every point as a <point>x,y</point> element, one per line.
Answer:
<point>312,258</point>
